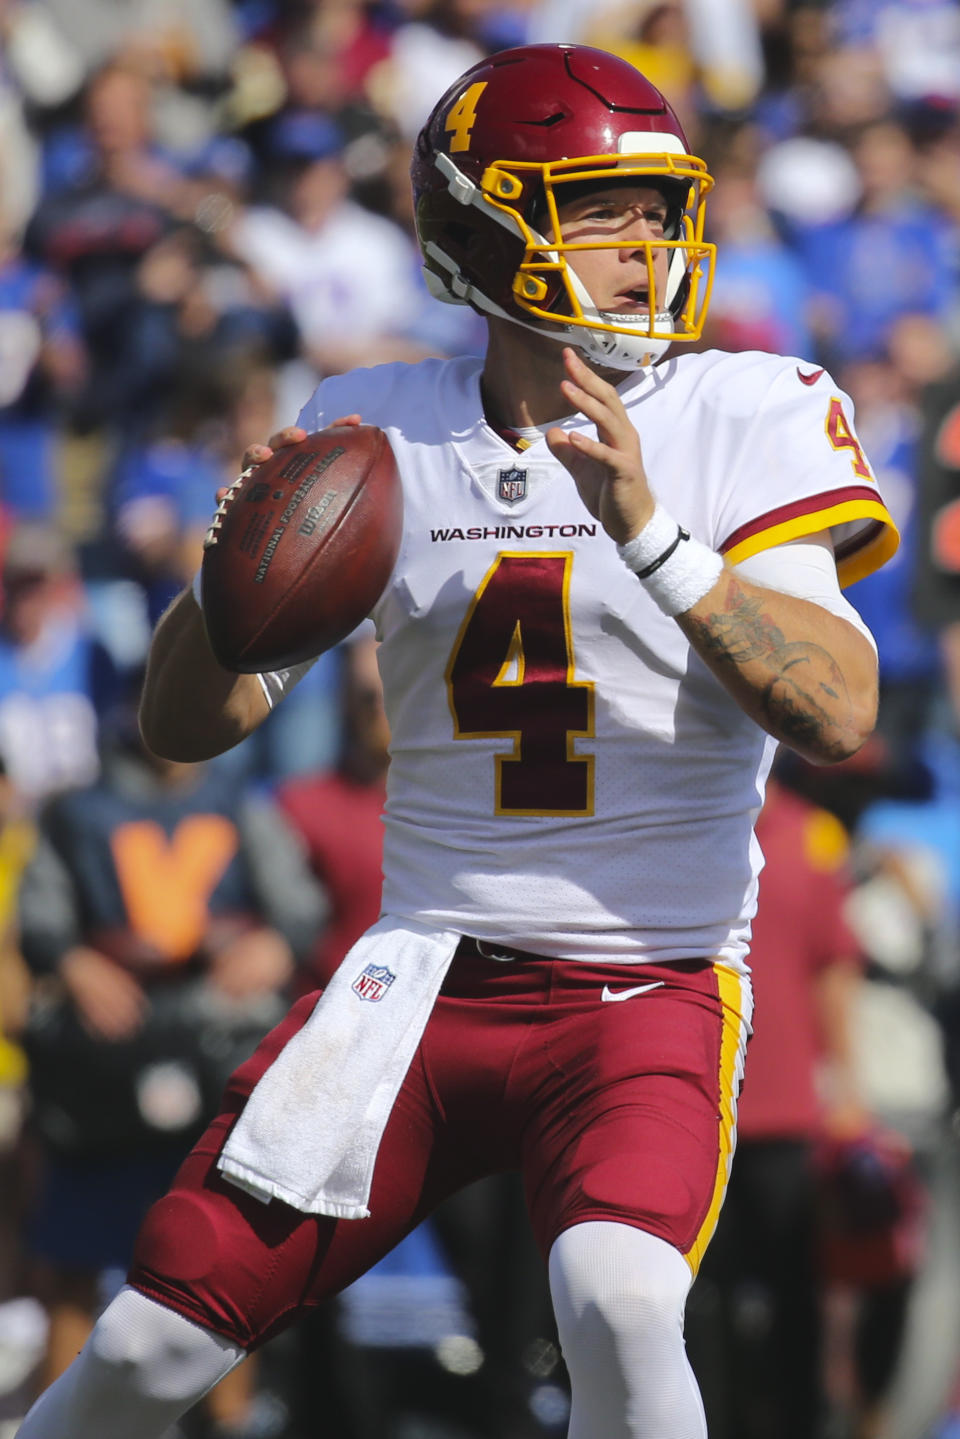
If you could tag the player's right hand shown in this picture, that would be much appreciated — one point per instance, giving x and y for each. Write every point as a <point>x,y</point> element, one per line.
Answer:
<point>608,471</point>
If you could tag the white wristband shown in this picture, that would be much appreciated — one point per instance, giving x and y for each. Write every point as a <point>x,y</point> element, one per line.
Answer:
<point>197,589</point>
<point>675,569</point>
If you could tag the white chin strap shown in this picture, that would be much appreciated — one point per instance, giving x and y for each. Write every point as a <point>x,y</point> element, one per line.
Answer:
<point>621,352</point>
<point>604,347</point>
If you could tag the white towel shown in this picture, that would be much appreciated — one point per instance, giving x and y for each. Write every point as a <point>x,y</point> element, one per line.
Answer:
<point>310,1131</point>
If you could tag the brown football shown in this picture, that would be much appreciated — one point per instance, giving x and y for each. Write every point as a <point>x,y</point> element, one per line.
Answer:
<point>301,548</point>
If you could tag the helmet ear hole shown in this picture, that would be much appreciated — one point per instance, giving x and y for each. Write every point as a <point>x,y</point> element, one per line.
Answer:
<point>459,235</point>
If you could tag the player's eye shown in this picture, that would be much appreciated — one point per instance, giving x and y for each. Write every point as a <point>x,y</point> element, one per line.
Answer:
<point>604,213</point>
<point>617,213</point>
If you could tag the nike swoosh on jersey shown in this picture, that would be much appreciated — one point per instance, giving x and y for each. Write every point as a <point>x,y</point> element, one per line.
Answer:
<point>618,994</point>
<point>810,379</point>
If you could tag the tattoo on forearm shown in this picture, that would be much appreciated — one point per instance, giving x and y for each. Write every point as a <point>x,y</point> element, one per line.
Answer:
<point>806,695</point>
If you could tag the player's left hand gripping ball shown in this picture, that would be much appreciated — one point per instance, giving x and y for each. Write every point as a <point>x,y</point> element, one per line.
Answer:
<point>301,548</point>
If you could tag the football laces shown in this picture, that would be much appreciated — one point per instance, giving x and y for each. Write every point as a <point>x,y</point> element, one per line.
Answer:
<point>213,529</point>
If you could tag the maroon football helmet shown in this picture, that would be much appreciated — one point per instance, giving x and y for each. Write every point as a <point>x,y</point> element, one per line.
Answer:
<point>490,167</point>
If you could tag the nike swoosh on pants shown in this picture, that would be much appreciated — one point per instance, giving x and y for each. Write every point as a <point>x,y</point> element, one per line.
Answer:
<point>618,994</point>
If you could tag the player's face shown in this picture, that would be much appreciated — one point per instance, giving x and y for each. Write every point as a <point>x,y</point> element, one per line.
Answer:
<point>621,218</point>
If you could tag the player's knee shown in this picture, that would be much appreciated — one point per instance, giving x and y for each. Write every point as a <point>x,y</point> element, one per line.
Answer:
<point>141,1369</point>
<point>124,1346</point>
<point>145,1349</point>
<point>616,1284</point>
<point>626,1311</point>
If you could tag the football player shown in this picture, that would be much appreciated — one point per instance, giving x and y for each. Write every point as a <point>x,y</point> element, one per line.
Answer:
<point>618,588</point>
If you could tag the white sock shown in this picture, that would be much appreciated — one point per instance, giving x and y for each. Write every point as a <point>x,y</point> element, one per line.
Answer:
<point>142,1367</point>
<point>619,1295</point>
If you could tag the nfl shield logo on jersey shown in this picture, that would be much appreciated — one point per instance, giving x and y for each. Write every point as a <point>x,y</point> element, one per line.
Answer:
<point>374,982</point>
<point>512,485</point>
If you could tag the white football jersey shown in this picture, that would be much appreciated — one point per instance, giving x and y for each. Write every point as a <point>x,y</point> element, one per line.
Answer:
<point>567,776</point>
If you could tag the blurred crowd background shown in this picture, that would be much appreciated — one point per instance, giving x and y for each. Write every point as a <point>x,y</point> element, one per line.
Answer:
<point>205,208</point>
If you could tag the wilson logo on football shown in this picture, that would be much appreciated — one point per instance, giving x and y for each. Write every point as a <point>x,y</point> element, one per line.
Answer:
<point>373,982</point>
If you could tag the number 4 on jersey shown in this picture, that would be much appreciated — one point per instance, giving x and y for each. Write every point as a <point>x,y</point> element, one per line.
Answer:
<point>841,437</point>
<point>510,675</point>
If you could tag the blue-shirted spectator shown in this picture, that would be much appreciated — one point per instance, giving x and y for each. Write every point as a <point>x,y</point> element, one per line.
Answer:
<point>54,677</point>
<point>908,652</point>
<point>896,254</point>
<point>118,201</point>
<point>917,41</point>
<point>41,364</point>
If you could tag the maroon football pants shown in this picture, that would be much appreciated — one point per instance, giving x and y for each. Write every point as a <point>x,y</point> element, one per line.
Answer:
<point>612,1088</point>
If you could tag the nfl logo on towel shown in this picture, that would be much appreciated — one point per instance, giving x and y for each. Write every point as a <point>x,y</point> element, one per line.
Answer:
<point>512,485</point>
<point>374,982</point>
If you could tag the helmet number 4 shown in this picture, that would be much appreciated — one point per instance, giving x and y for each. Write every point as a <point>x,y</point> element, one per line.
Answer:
<point>462,117</point>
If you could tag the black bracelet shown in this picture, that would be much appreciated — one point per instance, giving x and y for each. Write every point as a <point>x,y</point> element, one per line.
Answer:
<point>682,534</point>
